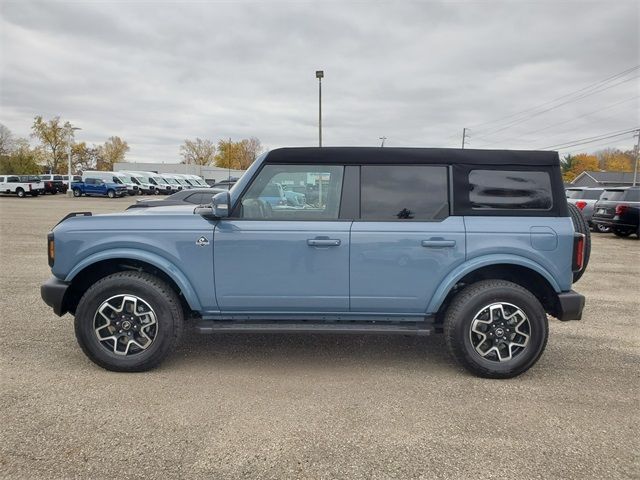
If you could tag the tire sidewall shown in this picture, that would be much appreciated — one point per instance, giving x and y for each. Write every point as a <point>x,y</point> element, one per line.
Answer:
<point>77,192</point>
<point>537,340</point>
<point>20,193</point>
<point>88,340</point>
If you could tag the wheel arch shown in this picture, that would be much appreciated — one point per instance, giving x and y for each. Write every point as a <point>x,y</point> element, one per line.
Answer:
<point>98,266</point>
<point>521,271</point>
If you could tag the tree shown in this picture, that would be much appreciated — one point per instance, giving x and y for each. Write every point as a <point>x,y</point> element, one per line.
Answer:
<point>23,160</point>
<point>84,157</point>
<point>198,152</point>
<point>238,155</point>
<point>113,151</point>
<point>55,138</point>
<point>7,142</point>
<point>614,160</point>
<point>580,163</point>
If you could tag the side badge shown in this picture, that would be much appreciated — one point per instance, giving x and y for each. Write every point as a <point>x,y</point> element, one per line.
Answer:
<point>202,242</point>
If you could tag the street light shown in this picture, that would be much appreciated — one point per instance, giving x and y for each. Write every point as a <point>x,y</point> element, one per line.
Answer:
<point>319,76</point>
<point>69,191</point>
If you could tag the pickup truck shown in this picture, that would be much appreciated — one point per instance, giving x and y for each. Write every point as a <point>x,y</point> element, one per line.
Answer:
<point>19,185</point>
<point>478,244</point>
<point>98,187</point>
<point>53,184</point>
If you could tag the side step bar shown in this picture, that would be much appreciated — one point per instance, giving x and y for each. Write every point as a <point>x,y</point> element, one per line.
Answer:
<point>413,328</point>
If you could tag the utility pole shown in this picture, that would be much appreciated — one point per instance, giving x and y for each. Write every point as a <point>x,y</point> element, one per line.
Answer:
<point>229,164</point>
<point>383,139</point>
<point>320,76</point>
<point>69,191</point>
<point>464,136</point>
<point>637,152</point>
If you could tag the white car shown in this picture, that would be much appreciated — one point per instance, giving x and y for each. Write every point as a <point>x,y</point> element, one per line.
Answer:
<point>16,185</point>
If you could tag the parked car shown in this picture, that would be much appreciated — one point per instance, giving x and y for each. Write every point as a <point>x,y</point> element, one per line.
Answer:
<point>195,196</point>
<point>196,181</point>
<point>173,183</point>
<point>585,199</point>
<point>618,209</point>
<point>98,187</point>
<point>15,184</point>
<point>485,247</point>
<point>143,180</point>
<point>114,177</point>
<point>74,178</point>
<point>53,184</point>
<point>225,183</point>
<point>37,185</point>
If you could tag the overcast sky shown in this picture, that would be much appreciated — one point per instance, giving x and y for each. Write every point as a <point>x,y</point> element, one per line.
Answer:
<point>156,73</point>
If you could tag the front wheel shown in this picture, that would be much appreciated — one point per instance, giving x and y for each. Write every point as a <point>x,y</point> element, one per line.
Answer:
<point>128,321</point>
<point>111,194</point>
<point>496,329</point>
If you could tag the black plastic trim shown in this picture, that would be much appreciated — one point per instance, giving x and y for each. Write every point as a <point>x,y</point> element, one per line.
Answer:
<point>53,292</point>
<point>571,304</point>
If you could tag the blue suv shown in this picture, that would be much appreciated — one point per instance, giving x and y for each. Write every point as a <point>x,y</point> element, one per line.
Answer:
<point>478,244</point>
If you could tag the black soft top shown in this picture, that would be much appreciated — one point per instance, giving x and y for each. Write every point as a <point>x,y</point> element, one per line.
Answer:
<point>392,155</point>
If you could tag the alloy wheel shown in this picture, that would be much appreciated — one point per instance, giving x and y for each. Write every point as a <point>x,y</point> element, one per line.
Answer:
<point>500,332</point>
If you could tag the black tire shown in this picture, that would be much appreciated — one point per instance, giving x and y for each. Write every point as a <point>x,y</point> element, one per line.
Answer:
<point>157,294</point>
<point>20,192</point>
<point>111,194</point>
<point>53,192</point>
<point>77,192</point>
<point>473,299</point>
<point>580,225</point>
<point>622,232</point>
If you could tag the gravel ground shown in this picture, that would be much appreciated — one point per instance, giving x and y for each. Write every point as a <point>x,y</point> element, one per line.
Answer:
<point>287,406</point>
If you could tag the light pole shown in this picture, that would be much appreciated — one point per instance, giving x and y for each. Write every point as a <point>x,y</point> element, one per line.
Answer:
<point>383,139</point>
<point>319,76</point>
<point>69,191</point>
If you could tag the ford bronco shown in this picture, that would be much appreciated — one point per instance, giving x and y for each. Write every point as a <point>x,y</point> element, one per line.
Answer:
<point>478,244</point>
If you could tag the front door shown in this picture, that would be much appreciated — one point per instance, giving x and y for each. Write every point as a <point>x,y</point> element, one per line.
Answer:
<point>405,242</point>
<point>285,255</point>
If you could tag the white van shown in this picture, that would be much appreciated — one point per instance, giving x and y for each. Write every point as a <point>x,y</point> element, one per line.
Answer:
<point>155,180</point>
<point>113,177</point>
<point>171,179</point>
<point>195,180</point>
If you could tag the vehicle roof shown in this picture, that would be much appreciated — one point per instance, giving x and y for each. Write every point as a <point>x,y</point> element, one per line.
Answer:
<point>393,155</point>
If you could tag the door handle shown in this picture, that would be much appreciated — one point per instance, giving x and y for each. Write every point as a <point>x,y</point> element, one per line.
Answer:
<point>323,242</point>
<point>438,243</point>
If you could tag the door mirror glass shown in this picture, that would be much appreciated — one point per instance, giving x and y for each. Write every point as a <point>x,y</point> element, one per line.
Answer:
<point>220,204</point>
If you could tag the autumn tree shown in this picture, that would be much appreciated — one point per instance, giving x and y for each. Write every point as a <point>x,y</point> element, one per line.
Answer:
<point>238,155</point>
<point>55,138</point>
<point>580,163</point>
<point>614,160</point>
<point>111,152</point>
<point>22,160</point>
<point>84,157</point>
<point>198,152</point>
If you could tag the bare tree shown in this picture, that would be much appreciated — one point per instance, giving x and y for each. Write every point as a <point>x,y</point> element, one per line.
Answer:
<point>198,152</point>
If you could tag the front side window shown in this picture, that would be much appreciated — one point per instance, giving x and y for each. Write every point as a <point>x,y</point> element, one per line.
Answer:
<point>294,192</point>
<point>510,190</point>
<point>403,192</point>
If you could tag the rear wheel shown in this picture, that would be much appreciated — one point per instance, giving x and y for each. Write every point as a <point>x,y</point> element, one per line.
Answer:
<point>128,322</point>
<point>622,232</point>
<point>601,228</point>
<point>496,329</point>
<point>580,225</point>
<point>77,192</point>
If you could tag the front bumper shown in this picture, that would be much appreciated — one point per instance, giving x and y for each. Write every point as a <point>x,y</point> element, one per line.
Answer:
<point>570,305</point>
<point>52,292</point>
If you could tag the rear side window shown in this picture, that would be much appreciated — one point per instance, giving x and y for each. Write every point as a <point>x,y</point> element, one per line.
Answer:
<point>403,192</point>
<point>509,190</point>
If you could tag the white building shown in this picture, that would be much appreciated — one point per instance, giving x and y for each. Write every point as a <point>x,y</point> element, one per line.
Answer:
<point>206,172</point>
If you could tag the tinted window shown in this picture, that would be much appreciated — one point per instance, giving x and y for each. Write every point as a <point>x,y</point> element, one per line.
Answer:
<point>294,192</point>
<point>1,179</point>
<point>57,177</point>
<point>613,195</point>
<point>510,190</point>
<point>632,195</point>
<point>13,179</point>
<point>573,194</point>
<point>592,194</point>
<point>195,198</point>
<point>403,192</point>
<point>90,181</point>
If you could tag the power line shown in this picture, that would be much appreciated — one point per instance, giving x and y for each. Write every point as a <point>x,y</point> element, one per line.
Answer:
<point>563,122</point>
<point>603,144</point>
<point>536,114</point>
<point>583,141</point>
<point>593,85</point>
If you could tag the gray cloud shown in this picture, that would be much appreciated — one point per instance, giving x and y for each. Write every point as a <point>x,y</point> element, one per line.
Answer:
<point>156,73</point>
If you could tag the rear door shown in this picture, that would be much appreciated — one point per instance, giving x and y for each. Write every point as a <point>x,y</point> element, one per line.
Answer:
<point>405,241</point>
<point>285,258</point>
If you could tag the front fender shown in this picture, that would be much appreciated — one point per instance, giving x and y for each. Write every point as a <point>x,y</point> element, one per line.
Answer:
<point>478,262</point>
<point>157,261</point>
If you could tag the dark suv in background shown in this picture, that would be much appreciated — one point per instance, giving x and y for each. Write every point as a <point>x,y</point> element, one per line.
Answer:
<point>618,209</point>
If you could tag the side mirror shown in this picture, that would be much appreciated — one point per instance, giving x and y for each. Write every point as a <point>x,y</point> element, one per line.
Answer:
<point>221,204</point>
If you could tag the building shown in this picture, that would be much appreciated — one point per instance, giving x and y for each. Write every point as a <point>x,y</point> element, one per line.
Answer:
<point>206,172</point>
<point>603,179</point>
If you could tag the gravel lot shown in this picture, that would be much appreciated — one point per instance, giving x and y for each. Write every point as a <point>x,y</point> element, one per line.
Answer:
<point>287,406</point>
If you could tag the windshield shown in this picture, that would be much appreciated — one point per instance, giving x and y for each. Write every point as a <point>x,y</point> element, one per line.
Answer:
<point>584,194</point>
<point>183,182</point>
<point>172,181</point>
<point>160,180</point>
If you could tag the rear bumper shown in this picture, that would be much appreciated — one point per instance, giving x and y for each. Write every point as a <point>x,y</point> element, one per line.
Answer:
<point>52,292</point>
<point>570,305</point>
<point>613,223</point>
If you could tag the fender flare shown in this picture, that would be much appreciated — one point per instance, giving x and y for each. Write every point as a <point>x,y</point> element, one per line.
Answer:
<point>478,262</point>
<point>157,261</point>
